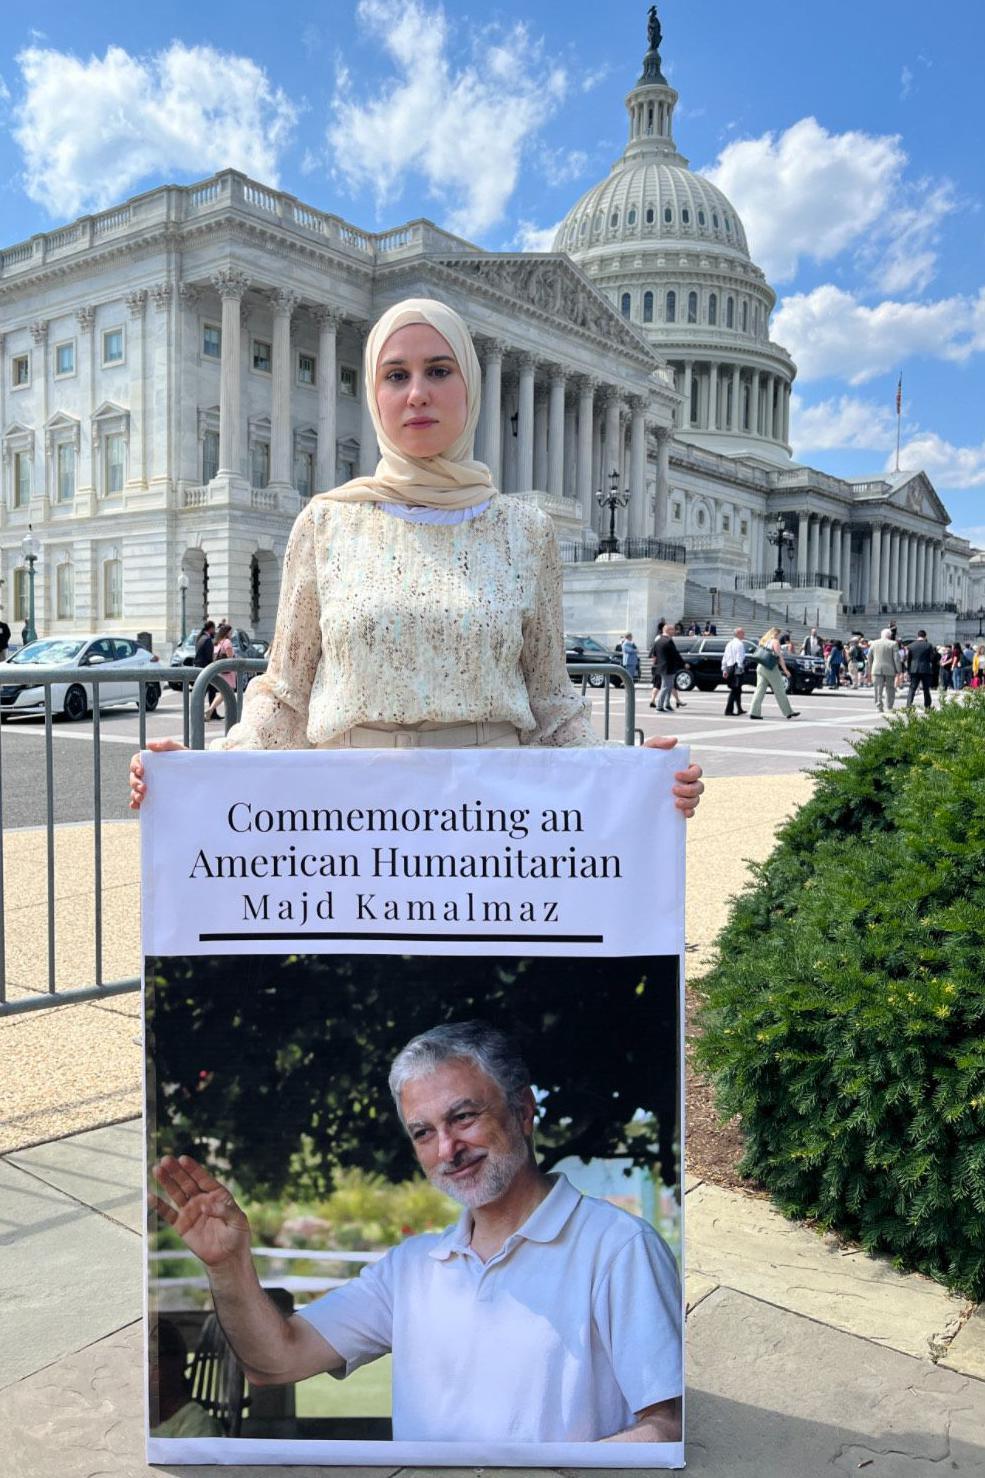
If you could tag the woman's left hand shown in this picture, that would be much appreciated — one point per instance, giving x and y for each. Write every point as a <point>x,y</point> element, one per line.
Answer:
<point>689,784</point>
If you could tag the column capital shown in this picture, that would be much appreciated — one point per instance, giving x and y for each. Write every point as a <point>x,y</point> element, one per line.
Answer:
<point>327,316</point>
<point>39,331</point>
<point>85,317</point>
<point>161,293</point>
<point>612,396</point>
<point>136,302</point>
<point>586,384</point>
<point>526,361</point>
<point>492,349</point>
<point>283,301</point>
<point>557,374</point>
<point>189,293</point>
<point>229,283</point>
<point>638,404</point>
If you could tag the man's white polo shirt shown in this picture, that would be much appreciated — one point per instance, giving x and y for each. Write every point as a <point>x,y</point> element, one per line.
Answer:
<point>562,1336</point>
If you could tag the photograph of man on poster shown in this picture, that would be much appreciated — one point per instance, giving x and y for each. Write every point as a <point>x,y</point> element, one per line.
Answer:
<point>542,1315</point>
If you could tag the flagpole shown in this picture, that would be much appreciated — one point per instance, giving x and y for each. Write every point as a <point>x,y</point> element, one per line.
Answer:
<point>899,414</point>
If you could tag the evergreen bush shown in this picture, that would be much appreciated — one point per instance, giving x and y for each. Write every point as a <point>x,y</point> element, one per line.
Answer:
<point>844,1012</point>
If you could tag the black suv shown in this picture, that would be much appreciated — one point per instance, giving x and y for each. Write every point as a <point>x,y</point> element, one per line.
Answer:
<point>184,653</point>
<point>587,649</point>
<point>702,656</point>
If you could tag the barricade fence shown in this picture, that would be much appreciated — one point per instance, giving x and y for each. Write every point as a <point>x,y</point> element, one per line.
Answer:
<point>196,684</point>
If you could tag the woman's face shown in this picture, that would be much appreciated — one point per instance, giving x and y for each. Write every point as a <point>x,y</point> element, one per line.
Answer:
<point>420,391</point>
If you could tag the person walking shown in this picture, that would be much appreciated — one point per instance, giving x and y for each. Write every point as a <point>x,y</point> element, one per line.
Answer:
<point>226,683</point>
<point>770,674</point>
<point>630,657</point>
<point>883,665</point>
<point>733,667</point>
<point>813,645</point>
<point>4,640</point>
<point>952,662</point>
<point>667,663</point>
<point>920,667</point>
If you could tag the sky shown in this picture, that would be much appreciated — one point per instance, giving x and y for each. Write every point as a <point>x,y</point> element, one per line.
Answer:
<point>846,135</point>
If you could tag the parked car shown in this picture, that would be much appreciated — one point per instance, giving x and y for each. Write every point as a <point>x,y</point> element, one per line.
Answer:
<point>184,653</point>
<point>73,699</point>
<point>587,649</point>
<point>702,668</point>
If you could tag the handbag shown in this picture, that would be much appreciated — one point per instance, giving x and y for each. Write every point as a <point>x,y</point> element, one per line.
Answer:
<point>765,657</point>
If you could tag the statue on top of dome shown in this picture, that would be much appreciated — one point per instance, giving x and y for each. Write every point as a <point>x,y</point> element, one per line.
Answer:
<point>654,34</point>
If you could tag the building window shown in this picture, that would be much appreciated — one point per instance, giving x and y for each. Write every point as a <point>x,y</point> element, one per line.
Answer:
<point>701,217</point>
<point>113,589</point>
<point>631,216</point>
<point>304,473</point>
<point>726,522</point>
<point>695,390</point>
<point>701,518</point>
<point>677,512</point>
<point>20,594</point>
<point>745,316</point>
<point>260,464</point>
<point>692,307</point>
<point>114,461</point>
<point>745,407</point>
<point>614,220</point>
<point>714,219</point>
<point>65,359</point>
<point>730,312</point>
<point>113,346</point>
<point>744,527</point>
<point>670,309</point>
<point>261,357</point>
<point>22,479</point>
<point>346,470</point>
<point>20,370</point>
<point>65,472</point>
<point>211,341</point>
<point>65,591</point>
<point>668,215</point>
<point>306,369</point>
<point>685,215</point>
<point>713,309</point>
<point>583,229</point>
<point>210,455</point>
<point>624,305</point>
<point>728,224</point>
<point>647,307</point>
<point>649,215</point>
<point>348,380</point>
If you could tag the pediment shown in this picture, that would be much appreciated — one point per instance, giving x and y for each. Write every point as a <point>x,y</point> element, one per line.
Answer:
<point>917,495</point>
<point>554,286</point>
<point>108,409</point>
<point>62,421</point>
<point>17,429</point>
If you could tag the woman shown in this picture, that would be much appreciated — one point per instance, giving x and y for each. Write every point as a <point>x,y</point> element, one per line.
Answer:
<point>770,675</point>
<point>978,666</point>
<point>426,560</point>
<point>223,648</point>
<point>951,669</point>
<point>630,657</point>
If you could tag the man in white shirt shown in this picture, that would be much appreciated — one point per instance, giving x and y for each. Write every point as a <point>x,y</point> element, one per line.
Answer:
<point>733,666</point>
<point>541,1316</point>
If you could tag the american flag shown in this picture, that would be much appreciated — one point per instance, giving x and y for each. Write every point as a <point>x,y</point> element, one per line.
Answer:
<point>899,394</point>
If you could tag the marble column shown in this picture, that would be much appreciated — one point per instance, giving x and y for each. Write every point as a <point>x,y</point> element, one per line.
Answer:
<point>136,360</point>
<point>555,435</point>
<point>583,486</point>
<point>875,565</point>
<point>894,567</point>
<point>492,394</point>
<point>813,540</point>
<point>845,564</point>
<point>886,542</point>
<point>328,320</point>
<point>912,595</point>
<point>824,547</point>
<point>803,535</point>
<point>686,409</point>
<point>525,424</point>
<point>834,566</point>
<point>613,433</point>
<point>904,569</point>
<point>541,473</point>
<point>283,303</point>
<point>787,392</point>
<point>369,451</point>
<point>938,589</point>
<point>711,418</point>
<point>662,497</point>
<point>735,420</point>
<point>568,481</point>
<point>754,390</point>
<point>231,287</point>
<point>637,468</point>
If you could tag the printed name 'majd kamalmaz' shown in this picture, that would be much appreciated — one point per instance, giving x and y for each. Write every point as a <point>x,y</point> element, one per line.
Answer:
<point>393,862</point>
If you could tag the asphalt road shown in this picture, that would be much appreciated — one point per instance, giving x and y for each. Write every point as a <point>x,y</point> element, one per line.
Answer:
<point>828,723</point>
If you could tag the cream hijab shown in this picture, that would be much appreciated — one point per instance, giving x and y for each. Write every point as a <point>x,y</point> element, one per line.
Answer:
<point>452,481</point>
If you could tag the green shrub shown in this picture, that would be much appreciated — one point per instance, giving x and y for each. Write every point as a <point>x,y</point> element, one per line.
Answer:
<point>845,1010</point>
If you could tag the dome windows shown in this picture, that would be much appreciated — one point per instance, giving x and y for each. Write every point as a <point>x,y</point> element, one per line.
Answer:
<point>647,307</point>
<point>583,229</point>
<point>631,216</point>
<point>713,309</point>
<point>685,215</point>
<point>728,225</point>
<point>692,307</point>
<point>625,305</point>
<point>745,315</point>
<point>649,215</point>
<point>730,312</point>
<point>614,220</point>
<point>668,215</point>
<point>670,307</point>
<point>701,218</point>
<point>599,219</point>
<point>714,219</point>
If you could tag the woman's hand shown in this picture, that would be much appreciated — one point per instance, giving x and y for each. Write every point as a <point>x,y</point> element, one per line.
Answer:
<point>689,786</point>
<point>138,788</point>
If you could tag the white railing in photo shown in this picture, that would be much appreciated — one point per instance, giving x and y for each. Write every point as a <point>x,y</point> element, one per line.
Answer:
<point>293,1282</point>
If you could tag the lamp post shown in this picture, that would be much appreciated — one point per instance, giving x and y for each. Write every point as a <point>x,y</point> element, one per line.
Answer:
<point>981,618</point>
<point>183,587</point>
<point>781,538</point>
<point>612,500</point>
<point>31,549</point>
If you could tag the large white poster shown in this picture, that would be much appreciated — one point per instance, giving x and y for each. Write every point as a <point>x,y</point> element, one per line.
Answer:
<point>413,1027</point>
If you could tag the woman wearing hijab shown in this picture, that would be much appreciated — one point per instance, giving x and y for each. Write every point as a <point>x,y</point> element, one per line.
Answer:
<point>419,598</point>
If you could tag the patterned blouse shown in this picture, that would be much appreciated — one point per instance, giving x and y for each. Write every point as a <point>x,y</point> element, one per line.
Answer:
<point>384,620</point>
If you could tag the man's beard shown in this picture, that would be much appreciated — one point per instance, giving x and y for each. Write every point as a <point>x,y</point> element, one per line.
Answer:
<point>494,1173</point>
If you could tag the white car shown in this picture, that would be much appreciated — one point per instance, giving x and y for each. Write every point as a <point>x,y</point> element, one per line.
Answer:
<point>74,699</point>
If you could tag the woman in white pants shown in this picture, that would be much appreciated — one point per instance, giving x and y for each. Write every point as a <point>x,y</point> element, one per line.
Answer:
<point>771,678</point>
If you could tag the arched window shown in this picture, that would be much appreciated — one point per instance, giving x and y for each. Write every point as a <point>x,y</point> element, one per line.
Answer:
<point>730,312</point>
<point>599,218</point>
<point>685,215</point>
<point>614,219</point>
<point>713,309</point>
<point>670,307</point>
<point>755,320</point>
<point>583,228</point>
<point>649,215</point>
<point>692,307</point>
<point>624,305</point>
<point>701,217</point>
<point>745,315</point>
<point>714,219</point>
<point>647,307</point>
<point>112,588</point>
<point>695,394</point>
<point>728,224</point>
<point>668,214</point>
<point>631,216</point>
<point>701,518</point>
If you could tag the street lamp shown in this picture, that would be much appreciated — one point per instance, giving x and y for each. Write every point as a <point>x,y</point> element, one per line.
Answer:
<point>781,538</point>
<point>183,587</point>
<point>981,618</point>
<point>31,550</point>
<point>612,500</point>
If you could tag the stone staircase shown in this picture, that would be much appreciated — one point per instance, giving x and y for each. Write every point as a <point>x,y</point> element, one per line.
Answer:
<point>728,609</point>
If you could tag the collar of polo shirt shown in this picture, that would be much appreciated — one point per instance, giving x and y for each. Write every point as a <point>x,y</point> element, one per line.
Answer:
<point>544,1223</point>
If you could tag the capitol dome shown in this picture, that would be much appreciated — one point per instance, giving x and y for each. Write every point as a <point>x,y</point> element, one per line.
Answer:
<point>669,250</point>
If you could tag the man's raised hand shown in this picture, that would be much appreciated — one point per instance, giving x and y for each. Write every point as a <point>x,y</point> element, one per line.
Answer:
<point>202,1211</point>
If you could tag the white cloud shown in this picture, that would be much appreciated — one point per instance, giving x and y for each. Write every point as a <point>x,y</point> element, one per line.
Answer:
<point>807,192</point>
<point>905,83</point>
<point>92,130</point>
<point>563,166</point>
<point>830,332</point>
<point>533,238</point>
<point>845,422</point>
<point>463,127</point>
<point>946,465</point>
<point>591,80</point>
<point>975,534</point>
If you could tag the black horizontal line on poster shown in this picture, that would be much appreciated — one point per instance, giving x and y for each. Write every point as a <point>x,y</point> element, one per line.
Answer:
<point>425,938</point>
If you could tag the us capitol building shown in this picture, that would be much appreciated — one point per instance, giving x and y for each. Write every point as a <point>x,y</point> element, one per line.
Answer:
<point>180,373</point>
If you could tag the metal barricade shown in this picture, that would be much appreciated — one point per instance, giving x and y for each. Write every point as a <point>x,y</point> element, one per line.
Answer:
<point>196,684</point>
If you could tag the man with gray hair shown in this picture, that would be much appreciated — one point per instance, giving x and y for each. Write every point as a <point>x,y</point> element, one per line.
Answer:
<point>883,664</point>
<point>541,1315</point>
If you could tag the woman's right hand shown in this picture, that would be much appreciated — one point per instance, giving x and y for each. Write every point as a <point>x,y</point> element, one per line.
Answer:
<point>138,787</point>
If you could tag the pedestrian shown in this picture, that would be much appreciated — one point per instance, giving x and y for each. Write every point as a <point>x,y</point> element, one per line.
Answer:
<point>920,668</point>
<point>813,645</point>
<point>856,660</point>
<point>835,660</point>
<point>733,668</point>
<point>952,662</point>
<point>770,673</point>
<point>25,634</point>
<point>226,681</point>
<point>420,547</point>
<point>205,653</point>
<point>883,665</point>
<point>667,663</point>
<point>4,639</point>
<point>978,666</point>
<point>631,657</point>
